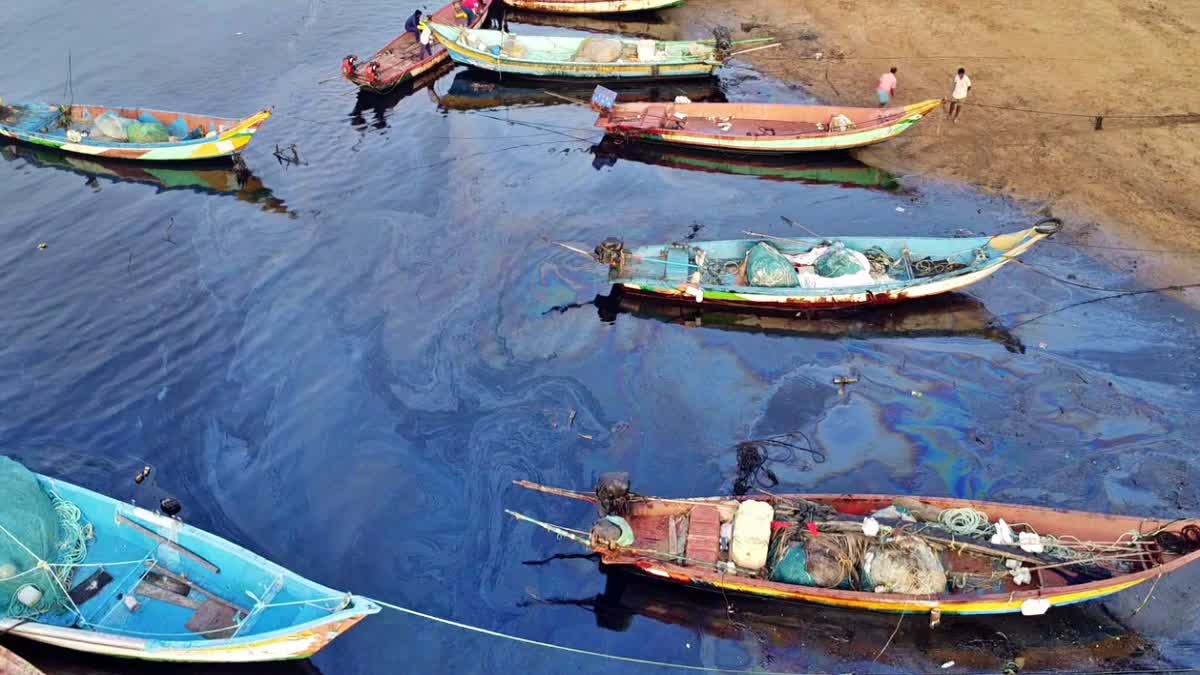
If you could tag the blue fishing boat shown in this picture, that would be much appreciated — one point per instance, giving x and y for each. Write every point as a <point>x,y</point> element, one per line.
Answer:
<point>775,273</point>
<point>83,571</point>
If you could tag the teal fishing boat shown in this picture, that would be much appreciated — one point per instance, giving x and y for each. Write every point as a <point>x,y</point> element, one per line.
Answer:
<point>569,58</point>
<point>83,571</point>
<point>817,273</point>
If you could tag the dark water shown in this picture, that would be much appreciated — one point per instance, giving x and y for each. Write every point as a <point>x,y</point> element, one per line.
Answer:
<point>344,365</point>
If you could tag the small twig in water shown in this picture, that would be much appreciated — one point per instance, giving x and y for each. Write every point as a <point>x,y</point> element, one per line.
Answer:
<point>889,640</point>
<point>1148,596</point>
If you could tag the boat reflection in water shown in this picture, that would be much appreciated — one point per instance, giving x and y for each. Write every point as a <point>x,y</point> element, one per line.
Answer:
<point>950,315</point>
<point>832,168</point>
<point>481,90</point>
<point>379,105</point>
<point>803,638</point>
<point>204,177</point>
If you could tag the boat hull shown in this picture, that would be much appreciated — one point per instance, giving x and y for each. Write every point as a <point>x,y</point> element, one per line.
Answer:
<point>651,515</point>
<point>571,70</point>
<point>300,644</point>
<point>1013,605</point>
<point>1007,247</point>
<point>579,71</point>
<point>773,144</point>
<point>224,145</point>
<point>591,6</point>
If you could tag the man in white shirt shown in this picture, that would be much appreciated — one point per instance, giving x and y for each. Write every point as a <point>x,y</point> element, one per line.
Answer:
<point>962,85</point>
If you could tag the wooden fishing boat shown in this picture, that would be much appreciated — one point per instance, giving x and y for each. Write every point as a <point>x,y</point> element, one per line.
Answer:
<point>481,90</point>
<point>890,269</point>
<point>74,128</point>
<point>592,6</point>
<point>816,168</point>
<point>403,59</point>
<point>714,543</point>
<point>953,315</point>
<point>569,58</point>
<point>212,177</point>
<point>147,586</point>
<point>758,127</point>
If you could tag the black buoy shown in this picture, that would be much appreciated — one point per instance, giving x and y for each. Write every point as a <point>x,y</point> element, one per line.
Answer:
<point>170,506</point>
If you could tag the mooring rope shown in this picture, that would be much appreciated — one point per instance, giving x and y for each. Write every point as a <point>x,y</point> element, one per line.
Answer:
<point>575,650</point>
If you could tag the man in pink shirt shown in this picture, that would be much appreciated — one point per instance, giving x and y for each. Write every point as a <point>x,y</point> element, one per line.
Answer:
<point>887,87</point>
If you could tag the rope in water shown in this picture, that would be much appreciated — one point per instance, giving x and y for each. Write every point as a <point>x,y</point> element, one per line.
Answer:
<point>574,650</point>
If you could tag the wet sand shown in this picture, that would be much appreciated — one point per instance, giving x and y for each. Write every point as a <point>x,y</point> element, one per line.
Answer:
<point>1131,185</point>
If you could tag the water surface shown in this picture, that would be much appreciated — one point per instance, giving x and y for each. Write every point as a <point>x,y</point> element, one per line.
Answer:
<point>344,369</point>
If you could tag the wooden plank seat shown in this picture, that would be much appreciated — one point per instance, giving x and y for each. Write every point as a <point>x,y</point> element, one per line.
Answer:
<point>703,535</point>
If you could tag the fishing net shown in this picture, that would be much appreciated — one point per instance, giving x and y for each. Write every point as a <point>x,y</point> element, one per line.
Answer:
<point>838,262</point>
<point>597,50</point>
<point>767,267</point>
<point>903,564</point>
<point>825,561</point>
<point>112,126</point>
<point>35,527</point>
<point>513,48</point>
<point>147,132</point>
<point>882,263</point>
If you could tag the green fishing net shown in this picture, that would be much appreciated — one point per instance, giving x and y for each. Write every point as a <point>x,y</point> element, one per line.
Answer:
<point>767,267</point>
<point>35,527</point>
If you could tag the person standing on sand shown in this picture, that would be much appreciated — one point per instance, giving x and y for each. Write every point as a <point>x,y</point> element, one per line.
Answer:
<point>962,85</point>
<point>887,87</point>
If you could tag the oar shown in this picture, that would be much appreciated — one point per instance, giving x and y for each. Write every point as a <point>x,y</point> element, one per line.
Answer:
<point>568,99</point>
<point>562,532</point>
<point>754,49</point>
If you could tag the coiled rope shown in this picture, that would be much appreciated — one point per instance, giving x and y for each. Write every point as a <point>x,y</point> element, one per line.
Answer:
<point>966,522</point>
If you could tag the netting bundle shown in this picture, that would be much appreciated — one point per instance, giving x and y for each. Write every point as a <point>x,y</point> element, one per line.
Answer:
<point>767,267</point>
<point>33,531</point>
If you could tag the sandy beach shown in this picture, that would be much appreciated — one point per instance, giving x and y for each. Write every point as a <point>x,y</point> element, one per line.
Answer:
<point>1130,185</point>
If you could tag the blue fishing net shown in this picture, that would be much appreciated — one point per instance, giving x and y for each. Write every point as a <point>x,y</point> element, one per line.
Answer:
<point>767,267</point>
<point>36,527</point>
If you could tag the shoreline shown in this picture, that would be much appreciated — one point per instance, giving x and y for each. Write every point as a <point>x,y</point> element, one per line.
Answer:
<point>1127,190</point>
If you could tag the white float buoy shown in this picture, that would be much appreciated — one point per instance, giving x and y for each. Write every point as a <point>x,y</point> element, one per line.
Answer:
<point>29,595</point>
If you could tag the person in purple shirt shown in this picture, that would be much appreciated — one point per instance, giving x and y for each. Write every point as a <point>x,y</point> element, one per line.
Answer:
<point>412,25</point>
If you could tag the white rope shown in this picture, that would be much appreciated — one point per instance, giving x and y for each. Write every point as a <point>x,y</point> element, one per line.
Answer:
<point>574,650</point>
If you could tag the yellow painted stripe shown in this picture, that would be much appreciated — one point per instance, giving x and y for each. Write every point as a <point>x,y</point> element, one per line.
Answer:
<point>980,607</point>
